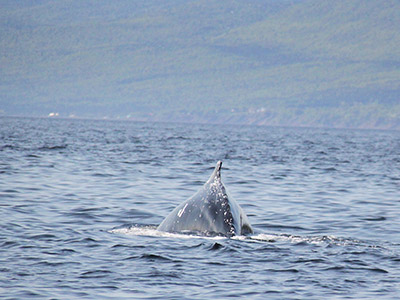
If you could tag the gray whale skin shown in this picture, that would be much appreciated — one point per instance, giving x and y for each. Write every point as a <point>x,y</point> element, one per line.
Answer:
<point>210,211</point>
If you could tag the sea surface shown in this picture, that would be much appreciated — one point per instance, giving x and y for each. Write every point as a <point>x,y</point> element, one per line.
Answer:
<point>80,201</point>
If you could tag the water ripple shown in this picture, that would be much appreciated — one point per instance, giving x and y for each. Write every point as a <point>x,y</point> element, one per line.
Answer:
<point>80,206</point>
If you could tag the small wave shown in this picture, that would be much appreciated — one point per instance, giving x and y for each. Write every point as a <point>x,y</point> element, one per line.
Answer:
<point>51,148</point>
<point>216,246</point>
<point>326,170</point>
<point>154,257</point>
<point>377,218</point>
<point>43,237</point>
<point>95,274</point>
<point>9,244</point>
<point>346,269</point>
<point>8,146</point>
<point>173,138</point>
<point>11,191</point>
<point>97,174</point>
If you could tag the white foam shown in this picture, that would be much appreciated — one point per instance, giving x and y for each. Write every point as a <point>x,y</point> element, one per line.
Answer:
<point>281,238</point>
<point>317,240</point>
<point>152,231</point>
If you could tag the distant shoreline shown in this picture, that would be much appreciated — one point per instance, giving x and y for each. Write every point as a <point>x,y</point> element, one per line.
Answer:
<point>220,121</point>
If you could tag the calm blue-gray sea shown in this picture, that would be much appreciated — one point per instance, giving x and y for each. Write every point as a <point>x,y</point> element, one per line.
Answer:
<point>80,201</point>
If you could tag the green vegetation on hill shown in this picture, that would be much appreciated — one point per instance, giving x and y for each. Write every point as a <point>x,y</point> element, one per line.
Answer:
<point>291,63</point>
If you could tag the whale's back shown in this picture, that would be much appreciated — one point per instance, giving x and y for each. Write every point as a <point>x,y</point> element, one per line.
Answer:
<point>211,211</point>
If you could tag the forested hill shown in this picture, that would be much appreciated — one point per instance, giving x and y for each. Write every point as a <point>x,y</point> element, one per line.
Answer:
<point>291,63</point>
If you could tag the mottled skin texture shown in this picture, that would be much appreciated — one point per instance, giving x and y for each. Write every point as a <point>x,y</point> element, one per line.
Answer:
<point>210,211</point>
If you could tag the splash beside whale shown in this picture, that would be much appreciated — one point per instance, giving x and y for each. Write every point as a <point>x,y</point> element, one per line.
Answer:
<point>210,211</point>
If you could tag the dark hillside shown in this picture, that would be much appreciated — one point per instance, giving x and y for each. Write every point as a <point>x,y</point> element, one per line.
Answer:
<point>292,63</point>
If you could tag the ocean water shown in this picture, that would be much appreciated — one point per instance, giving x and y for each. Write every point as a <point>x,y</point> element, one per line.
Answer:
<point>80,201</point>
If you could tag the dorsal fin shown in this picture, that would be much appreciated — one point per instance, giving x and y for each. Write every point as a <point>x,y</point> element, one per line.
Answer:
<point>218,166</point>
<point>217,172</point>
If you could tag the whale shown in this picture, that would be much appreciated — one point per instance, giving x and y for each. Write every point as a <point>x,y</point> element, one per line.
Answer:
<point>210,211</point>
